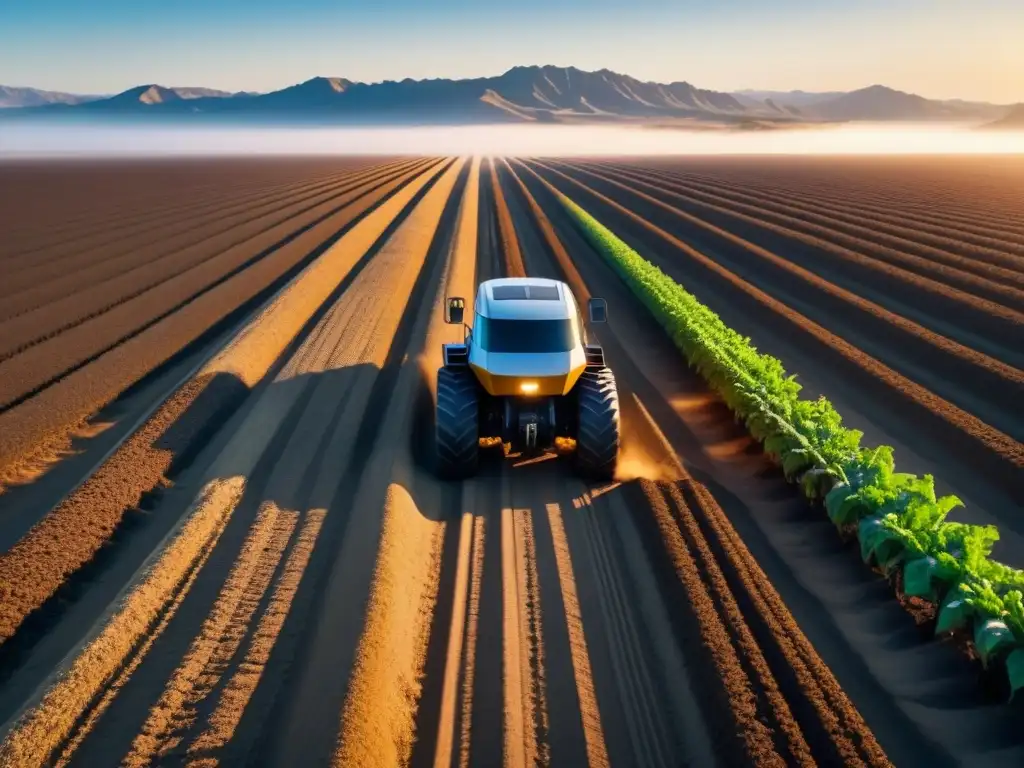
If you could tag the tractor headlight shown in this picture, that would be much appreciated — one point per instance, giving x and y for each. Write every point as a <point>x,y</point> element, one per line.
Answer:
<point>528,387</point>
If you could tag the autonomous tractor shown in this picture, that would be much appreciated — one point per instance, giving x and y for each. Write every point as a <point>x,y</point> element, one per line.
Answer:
<point>526,373</point>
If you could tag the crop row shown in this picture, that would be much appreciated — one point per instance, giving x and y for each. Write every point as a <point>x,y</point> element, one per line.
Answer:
<point>893,214</point>
<point>969,266</point>
<point>946,190</point>
<point>809,256</point>
<point>898,519</point>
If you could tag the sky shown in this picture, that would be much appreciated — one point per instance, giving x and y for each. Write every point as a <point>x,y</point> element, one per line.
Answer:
<point>968,49</point>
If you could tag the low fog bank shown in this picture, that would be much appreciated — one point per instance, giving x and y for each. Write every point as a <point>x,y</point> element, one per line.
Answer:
<point>23,139</point>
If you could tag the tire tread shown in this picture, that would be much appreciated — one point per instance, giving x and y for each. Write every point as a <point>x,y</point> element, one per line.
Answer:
<point>597,439</point>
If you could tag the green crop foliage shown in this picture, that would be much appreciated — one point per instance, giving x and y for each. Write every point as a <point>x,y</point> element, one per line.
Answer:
<point>899,520</point>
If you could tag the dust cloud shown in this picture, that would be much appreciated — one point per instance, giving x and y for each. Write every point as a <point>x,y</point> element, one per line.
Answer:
<point>28,139</point>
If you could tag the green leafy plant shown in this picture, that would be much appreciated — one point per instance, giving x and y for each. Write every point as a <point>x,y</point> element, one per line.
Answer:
<point>900,521</point>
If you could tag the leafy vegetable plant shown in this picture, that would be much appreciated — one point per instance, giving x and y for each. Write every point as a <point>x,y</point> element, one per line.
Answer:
<point>900,522</point>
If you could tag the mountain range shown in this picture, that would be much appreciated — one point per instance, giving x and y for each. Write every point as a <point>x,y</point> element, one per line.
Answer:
<point>522,94</point>
<point>11,96</point>
<point>1012,120</point>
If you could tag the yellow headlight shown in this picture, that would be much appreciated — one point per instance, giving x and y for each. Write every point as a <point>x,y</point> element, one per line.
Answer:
<point>528,387</point>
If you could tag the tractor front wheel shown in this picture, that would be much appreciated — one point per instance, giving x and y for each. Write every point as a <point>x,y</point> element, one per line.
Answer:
<point>456,423</point>
<point>597,438</point>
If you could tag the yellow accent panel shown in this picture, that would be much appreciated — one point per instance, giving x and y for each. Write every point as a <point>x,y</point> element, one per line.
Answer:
<point>499,386</point>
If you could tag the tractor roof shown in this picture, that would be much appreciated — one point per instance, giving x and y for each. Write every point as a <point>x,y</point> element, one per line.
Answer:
<point>525,298</point>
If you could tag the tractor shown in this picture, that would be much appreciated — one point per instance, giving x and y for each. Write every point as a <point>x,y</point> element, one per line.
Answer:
<point>527,375</point>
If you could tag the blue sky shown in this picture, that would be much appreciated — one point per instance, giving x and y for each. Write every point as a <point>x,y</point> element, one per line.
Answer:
<point>938,48</point>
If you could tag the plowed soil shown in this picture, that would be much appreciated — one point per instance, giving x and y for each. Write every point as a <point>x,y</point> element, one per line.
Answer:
<point>222,543</point>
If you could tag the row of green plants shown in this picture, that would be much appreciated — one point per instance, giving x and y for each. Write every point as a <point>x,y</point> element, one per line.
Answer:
<point>897,518</point>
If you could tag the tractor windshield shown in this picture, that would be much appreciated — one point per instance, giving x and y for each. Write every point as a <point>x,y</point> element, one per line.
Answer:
<point>524,335</point>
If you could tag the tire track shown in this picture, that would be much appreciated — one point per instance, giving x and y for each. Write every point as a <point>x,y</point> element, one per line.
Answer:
<point>593,732</point>
<point>614,710</point>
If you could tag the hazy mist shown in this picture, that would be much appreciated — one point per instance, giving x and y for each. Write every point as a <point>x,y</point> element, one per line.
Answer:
<point>26,139</point>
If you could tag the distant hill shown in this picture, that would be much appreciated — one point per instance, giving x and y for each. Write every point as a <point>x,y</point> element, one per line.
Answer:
<point>874,103</point>
<point>157,95</point>
<point>1013,120</point>
<point>880,103</point>
<point>522,94</point>
<point>534,94</point>
<point>786,98</point>
<point>12,97</point>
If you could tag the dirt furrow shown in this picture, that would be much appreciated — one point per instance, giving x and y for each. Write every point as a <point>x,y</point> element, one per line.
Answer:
<point>103,269</point>
<point>893,219</point>
<point>78,199</point>
<point>105,229</point>
<point>291,466</point>
<point>84,298</point>
<point>979,273</point>
<point>943,189</point>
<point>38,427</point>
<point>994,453</point>
<point>889,671</point>
<point>839,725</point>
<point>762,746</point>
<point>692,528</point>
<point>513,259</point>
<point>171,438</point>
<point>225,719</point>
<point>218,641</point>
<point>106,320</point>
<point>979,317</point>
<point>390,549</point>
<point>268,572</point>
<point>42,252</point>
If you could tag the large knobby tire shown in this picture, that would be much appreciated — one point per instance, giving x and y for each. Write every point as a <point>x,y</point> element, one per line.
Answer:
<point>456,423</point>
<point>597,437</point>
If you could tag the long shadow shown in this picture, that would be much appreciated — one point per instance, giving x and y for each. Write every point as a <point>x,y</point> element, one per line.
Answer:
<point>365,438</point>
<point>193,440</point>
<point>56,481</point>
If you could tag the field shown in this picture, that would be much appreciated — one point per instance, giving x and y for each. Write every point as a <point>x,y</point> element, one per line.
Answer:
<point>221,541</point>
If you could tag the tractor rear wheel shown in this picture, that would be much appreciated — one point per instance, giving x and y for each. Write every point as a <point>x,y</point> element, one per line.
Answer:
<point>456,423</point>
<point>597,438</point>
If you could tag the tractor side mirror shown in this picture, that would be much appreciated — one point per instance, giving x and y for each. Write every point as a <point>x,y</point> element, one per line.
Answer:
<point>598,310</point>
<point>454,310</point>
